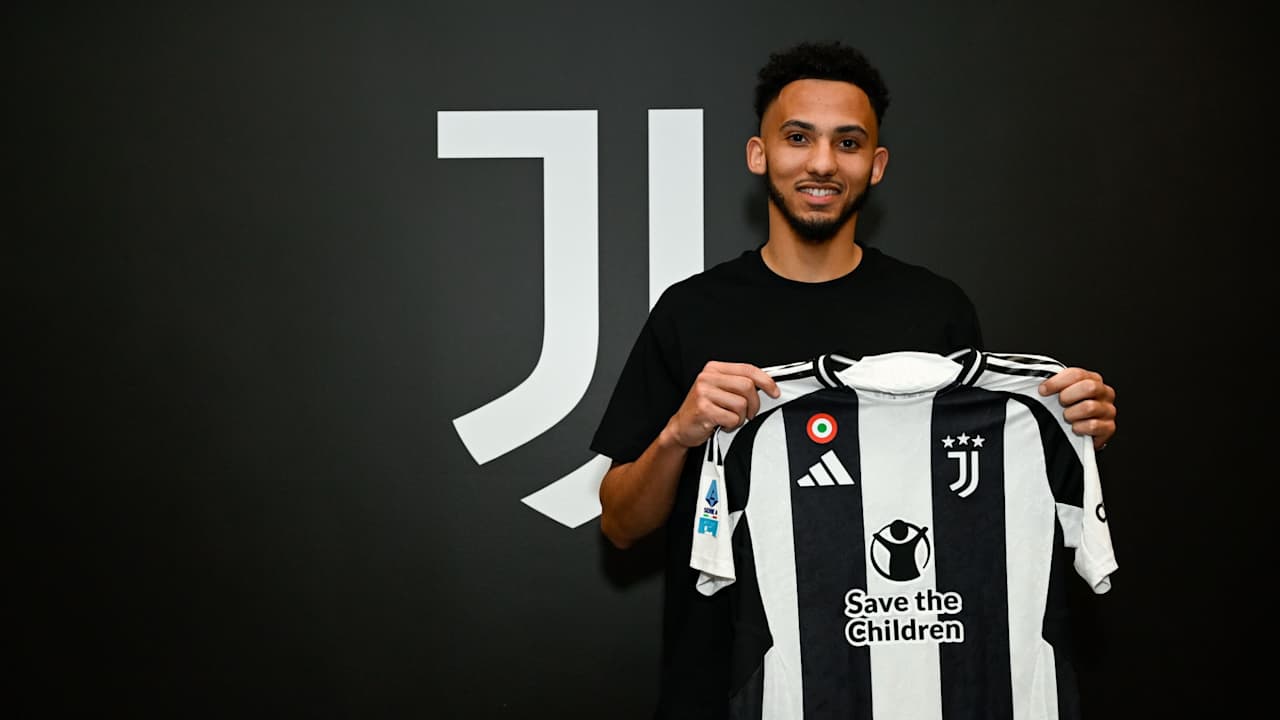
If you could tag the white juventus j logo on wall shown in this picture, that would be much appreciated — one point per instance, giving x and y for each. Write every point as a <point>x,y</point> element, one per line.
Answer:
<point>566,142</point>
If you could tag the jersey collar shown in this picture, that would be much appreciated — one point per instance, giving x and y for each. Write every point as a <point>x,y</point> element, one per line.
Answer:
<point>901,373</point>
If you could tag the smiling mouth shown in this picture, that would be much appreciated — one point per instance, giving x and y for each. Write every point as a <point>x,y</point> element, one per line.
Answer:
<point>816,197</point>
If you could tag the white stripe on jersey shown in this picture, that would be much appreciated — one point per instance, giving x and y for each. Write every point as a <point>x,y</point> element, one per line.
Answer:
<point>1029,518</point>
<point>773,540</point>
<point>906,682</point>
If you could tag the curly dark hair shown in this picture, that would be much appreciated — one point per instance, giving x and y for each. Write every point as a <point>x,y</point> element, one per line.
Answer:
<point>820,61</point>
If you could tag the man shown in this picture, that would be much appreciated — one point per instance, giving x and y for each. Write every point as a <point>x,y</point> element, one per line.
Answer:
<point>810,289</point>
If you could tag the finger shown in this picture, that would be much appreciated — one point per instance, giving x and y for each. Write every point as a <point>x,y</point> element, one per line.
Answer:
<point>1100,430</point>
<point>1089,409</point>
<point>745,387</point>
<point>1085,391</point>
<point>763,381</point>
<point>699,420</point>
<point>758,377</point>
<point>753,404</point>
<point>1065,378</point>
<point>725,408</point>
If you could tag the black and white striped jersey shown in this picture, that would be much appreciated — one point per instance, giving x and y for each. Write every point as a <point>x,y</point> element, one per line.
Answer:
<point>897,532</point>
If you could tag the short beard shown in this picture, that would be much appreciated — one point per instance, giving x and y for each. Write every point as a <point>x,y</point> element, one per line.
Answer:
<point>816,232</point>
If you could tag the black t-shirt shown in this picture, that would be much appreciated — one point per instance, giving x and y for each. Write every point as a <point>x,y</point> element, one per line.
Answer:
<point>740,311</point>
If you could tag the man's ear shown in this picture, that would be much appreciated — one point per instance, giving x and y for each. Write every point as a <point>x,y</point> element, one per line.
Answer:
<point>879,161</point>
<point>755,156</point>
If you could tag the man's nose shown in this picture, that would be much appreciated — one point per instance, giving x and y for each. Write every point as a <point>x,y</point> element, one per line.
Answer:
<point>822,160</point>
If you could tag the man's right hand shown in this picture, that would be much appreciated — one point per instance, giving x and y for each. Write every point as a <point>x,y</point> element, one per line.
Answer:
<point>636,497</point>
<point>723,395</point>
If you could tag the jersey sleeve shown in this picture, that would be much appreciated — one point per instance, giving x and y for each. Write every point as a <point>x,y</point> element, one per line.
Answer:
<point>1085,527</point>
<point>1069,461</point>
<point>1077,492</point>
<point>712,552</point>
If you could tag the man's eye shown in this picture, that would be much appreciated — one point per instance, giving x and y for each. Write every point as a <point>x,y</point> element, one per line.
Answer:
<point>848,144</point>
<point>795,137</point>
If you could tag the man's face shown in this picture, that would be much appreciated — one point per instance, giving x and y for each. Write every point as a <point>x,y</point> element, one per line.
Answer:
<point>818,153</point>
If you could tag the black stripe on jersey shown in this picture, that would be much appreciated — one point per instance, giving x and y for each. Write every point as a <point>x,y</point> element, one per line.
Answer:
<point>747,702</point>
<point>1068,702</point>
<point>751,636</point>
<point>969,535</point>
<point>830,558</point>
<point>1056,630</point>
<point>1062,465</point>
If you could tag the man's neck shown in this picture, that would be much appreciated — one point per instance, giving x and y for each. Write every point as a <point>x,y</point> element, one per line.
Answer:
<point>795,258</point>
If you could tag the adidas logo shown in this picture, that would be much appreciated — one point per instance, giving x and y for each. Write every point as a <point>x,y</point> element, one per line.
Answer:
<point>827,471</point>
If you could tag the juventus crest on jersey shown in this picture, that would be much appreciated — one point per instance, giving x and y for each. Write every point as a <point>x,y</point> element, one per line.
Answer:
<point>897,531</point>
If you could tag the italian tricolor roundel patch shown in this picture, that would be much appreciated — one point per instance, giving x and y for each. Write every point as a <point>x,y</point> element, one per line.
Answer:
<point>821,428</point>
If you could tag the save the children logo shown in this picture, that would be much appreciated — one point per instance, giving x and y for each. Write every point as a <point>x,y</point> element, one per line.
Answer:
<point>900,551</point>
<point>909,618</point>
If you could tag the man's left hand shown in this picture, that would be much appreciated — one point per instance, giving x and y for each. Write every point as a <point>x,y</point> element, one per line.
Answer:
<point>1089,403</point>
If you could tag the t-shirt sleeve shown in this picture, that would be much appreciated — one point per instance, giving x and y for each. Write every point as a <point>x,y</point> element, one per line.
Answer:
<point>647,394</point>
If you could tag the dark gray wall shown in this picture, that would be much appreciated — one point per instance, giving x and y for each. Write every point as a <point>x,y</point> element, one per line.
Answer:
<point>248,299</point>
